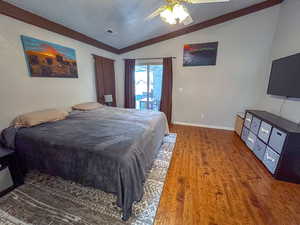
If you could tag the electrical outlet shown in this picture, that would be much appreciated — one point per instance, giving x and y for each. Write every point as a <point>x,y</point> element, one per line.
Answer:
<point>202,116</point>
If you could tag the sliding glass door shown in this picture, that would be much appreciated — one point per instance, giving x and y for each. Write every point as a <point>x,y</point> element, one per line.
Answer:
<point>148,83</point>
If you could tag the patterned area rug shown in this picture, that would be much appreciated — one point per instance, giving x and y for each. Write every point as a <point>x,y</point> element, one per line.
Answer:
<point>48,200</point>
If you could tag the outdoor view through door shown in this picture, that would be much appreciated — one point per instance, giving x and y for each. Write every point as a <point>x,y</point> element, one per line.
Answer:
<point>148,83</point>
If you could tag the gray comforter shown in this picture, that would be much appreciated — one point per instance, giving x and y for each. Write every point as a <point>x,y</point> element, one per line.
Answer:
<point>109,148</point>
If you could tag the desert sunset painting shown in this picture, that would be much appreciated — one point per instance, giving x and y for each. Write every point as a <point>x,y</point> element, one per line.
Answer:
<point>45,59</point>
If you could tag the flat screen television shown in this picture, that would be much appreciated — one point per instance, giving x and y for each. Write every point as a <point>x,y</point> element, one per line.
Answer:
<point>285,77</point>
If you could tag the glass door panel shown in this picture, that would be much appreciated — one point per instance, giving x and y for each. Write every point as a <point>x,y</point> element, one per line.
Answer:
<point>148,83</point>
<point>141,77</point>
<point>155,81</point>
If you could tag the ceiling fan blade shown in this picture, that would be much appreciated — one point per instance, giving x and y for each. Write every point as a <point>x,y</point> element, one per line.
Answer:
<point>204,1</point>
<point>157,12</point>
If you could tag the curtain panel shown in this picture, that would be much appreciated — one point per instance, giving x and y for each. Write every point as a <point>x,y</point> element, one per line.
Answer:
<point>105,79</point>
<point>167,87</point>
<point>129,83</point>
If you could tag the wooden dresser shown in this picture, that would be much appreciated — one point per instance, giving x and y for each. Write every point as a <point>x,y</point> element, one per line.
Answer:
<point>275,142</point>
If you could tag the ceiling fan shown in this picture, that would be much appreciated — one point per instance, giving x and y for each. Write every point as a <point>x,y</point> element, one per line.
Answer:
<point>175,12</point>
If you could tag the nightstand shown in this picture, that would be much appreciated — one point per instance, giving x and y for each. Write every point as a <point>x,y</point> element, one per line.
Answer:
<point>11,175</point>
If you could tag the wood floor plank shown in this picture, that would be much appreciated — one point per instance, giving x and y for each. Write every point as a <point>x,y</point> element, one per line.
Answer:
<point>215,180</point>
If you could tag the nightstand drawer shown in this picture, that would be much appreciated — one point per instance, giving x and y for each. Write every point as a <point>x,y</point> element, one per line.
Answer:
<point>10,174</point>
<point>6,181</point>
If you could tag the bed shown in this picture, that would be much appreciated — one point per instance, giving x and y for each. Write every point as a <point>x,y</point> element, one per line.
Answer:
<point>107,148</point>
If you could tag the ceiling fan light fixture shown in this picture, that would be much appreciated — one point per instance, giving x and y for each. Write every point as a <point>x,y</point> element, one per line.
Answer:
<point>174,14</point>
<point>180,12</point>
<point>168,16</point>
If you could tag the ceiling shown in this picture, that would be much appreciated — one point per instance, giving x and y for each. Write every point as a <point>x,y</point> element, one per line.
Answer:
<point>126,18</point>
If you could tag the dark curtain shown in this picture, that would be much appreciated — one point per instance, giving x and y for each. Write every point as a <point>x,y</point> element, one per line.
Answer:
<point>105,79</point>
<point>129,83</point>
<point>167,86</point>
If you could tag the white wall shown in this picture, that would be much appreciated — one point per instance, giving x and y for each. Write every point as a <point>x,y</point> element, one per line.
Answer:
<point>210,95</point>
<point>21,93</point>
<point>286,42</point>
<point>234,84</point>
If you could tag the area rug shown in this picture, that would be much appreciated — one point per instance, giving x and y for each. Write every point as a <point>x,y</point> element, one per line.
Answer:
<point>48,200</point>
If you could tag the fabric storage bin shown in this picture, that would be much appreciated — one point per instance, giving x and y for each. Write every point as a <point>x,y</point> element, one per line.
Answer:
<point>251,140</point>
<point>264,131</point>
<point>245,134</point>
<point>277,139</point>
<point>259,149</point>
<point>248,120</point>
<point>255,124</point>
<point>271,159</point>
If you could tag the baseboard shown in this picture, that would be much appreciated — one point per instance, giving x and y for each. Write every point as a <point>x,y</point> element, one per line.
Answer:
<point>203,125</point>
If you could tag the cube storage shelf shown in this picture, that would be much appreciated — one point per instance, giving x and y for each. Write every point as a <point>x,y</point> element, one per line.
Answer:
<point>275,142</point>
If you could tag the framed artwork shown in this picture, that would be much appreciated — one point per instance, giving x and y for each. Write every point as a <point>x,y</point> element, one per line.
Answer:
<point>45,59</point>
<point>200,54</point>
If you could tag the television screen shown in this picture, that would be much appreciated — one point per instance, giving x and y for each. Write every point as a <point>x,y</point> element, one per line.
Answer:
<point>285,77</point>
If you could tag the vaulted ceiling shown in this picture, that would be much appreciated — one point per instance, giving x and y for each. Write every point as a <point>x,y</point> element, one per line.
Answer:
<point>124,17</point>
<point>89,20</point>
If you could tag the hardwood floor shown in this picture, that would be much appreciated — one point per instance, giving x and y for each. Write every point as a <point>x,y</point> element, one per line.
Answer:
<point>215,180</point>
